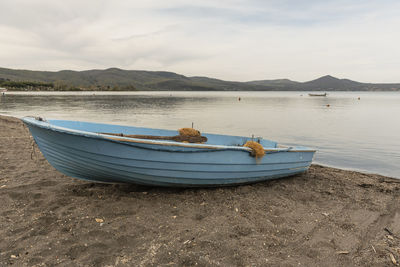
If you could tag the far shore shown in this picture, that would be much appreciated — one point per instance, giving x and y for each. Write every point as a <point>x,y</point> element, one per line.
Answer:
<point>324,217</point>
<point>211,90</point>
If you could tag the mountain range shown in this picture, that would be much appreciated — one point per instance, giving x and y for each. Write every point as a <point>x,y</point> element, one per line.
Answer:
<point>114,78</point>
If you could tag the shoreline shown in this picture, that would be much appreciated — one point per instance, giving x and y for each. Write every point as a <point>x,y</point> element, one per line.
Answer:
<point>326,216</point>
<point>361,171</point>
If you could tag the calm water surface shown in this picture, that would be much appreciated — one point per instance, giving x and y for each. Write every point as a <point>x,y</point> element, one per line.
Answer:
<point>350,133</point>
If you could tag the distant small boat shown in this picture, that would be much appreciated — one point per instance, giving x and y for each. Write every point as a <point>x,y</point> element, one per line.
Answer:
<point>110,153</point>
<point>324,94</point>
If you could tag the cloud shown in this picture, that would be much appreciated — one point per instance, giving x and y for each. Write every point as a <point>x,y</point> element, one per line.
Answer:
<point>227,39</point>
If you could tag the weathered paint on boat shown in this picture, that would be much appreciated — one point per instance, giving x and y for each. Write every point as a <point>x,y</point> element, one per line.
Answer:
<point>77,149</point>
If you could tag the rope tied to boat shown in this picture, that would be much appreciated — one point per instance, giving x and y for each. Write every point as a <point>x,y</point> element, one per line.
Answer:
<point>257,150</point>
<point>33,149</point>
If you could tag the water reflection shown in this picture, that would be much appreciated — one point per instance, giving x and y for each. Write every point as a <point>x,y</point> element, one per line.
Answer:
<point>350,133</point>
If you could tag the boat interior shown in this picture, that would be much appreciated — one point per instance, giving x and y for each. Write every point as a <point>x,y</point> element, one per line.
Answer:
<point>212,139</point>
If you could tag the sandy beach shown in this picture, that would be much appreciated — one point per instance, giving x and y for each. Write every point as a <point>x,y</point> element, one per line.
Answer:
<point>325,217</point>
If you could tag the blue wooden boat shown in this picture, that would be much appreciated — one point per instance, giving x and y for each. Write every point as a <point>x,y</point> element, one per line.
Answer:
<point>82,150</point>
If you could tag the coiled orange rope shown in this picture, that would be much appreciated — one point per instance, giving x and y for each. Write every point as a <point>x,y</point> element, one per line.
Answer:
<point>257,149</point>
<point>189,132</point>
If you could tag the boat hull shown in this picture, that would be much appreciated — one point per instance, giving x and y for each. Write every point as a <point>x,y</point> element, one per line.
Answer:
<point>106,160</point>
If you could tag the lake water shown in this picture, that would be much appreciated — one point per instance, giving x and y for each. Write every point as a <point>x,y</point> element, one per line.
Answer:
<point>351,133</point>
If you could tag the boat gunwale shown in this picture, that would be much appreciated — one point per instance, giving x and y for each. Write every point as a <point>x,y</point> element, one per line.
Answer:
<point>47,125</point>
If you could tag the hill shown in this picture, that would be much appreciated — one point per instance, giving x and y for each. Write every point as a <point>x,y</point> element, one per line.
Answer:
<point>118,79</point>
<point>329,83</point>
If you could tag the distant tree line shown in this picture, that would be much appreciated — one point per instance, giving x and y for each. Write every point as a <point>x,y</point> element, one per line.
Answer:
<point>59,86</point>
<point>27,85</point>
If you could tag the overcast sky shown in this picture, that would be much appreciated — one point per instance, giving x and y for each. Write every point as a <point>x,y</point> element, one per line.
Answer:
<point>226,39</point>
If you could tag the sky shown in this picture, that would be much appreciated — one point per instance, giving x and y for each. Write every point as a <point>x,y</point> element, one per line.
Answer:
<point>239,40</point>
